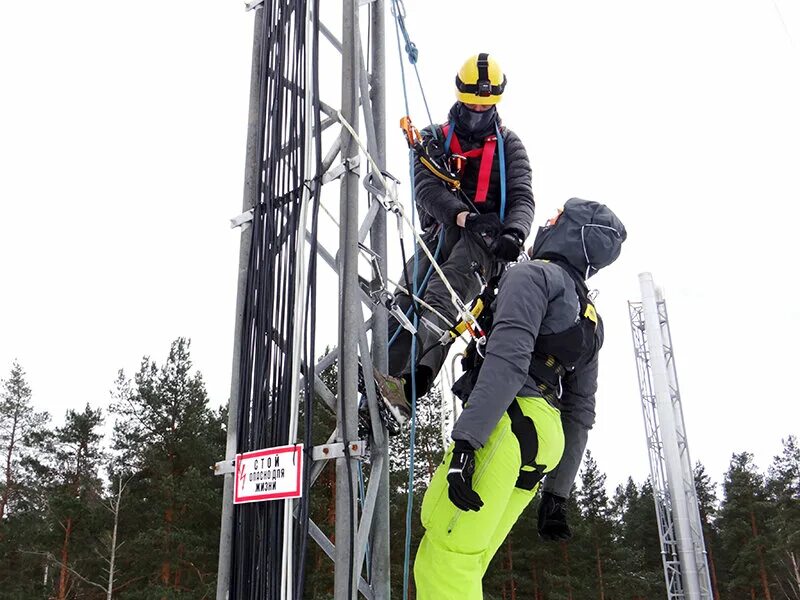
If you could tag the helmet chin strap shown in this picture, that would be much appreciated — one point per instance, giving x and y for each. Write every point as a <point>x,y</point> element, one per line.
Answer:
<point>589,266</point>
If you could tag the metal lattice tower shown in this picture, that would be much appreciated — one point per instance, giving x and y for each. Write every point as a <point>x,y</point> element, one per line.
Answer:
<point>680,528</point>
<point>362,334</point>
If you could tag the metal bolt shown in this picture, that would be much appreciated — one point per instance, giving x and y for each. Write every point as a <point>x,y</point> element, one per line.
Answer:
<point>325,450</point>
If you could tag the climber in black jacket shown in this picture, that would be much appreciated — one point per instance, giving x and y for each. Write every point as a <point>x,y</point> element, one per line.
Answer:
<point>470,231</point>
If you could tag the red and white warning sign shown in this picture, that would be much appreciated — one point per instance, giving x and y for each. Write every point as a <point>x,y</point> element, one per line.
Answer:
<point>269,474</point>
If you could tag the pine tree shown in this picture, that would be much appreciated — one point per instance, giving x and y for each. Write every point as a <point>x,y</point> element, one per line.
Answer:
<point>707,504</point>
<point>571,562</point>
<point>640,572</point>
<point>596,523</point>
<point>165,438</point>
<point>743,538</point>
<point>319,580</point>
<point>428,453</point>
<point>21,432</point>
<point>74,492</point>
<point>783,484</point>
<point>23,435</point>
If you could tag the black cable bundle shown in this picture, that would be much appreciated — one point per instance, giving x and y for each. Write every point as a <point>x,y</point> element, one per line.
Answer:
<point>265,403</point>
<point>304,516</point>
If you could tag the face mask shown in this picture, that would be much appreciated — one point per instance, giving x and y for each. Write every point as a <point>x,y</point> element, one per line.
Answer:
<point>476,122</point>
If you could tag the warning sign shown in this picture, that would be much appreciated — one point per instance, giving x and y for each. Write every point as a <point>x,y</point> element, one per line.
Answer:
<point>269,474</point>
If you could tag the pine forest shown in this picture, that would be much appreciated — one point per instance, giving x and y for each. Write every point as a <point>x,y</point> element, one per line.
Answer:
<point>118,501</point>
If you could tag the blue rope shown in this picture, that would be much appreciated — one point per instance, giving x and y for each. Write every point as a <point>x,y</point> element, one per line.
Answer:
<point>449,139</point>
<point>502,152</point>
<point>422,286</point>
<point>399,13</point>
<point>410,499</point>
<point>397,25</point>
<point>398,10</point>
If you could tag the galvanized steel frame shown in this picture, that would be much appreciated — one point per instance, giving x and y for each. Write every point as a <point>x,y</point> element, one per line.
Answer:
<point>683,551</point>
<point>364,89</point>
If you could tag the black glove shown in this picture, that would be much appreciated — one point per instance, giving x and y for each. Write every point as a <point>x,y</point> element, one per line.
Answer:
<point>459,478</point>
<point>483,224</point>
<point>508,245</point>
<point>552,524</point>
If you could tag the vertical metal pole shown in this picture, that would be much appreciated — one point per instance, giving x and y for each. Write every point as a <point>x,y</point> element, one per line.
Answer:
<point>251,174</point>
<point>350,318</point>
<point>689,491</point>
<point>380,567</point>
<point>672,457</point>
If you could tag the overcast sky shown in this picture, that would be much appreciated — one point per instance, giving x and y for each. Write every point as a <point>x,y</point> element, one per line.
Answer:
<point>122,130</point>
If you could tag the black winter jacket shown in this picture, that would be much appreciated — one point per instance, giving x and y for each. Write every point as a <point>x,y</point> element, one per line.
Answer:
<point>438,204</point>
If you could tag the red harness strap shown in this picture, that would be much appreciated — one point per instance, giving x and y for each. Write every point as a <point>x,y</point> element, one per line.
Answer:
<point>486,152</point>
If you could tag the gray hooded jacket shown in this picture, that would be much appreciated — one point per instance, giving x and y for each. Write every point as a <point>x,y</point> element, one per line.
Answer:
<point>540,297</point>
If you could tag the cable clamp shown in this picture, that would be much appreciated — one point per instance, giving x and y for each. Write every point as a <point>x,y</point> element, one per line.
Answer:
<point>434,327</point>
<point>348,165</point>
<point>356,449</point>
<point>377,290</point>
<point>387,198</point>
<point>241,219</point>
<point>387,298</point>
<point>223,467</point>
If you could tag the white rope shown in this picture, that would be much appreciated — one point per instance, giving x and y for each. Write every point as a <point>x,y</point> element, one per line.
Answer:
<point>422,302</point>
<point>392,191</point>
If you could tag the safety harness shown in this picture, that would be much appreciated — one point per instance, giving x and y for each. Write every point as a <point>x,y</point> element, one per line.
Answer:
<point>486,152</point>
<point>449,165</point>
<point>555,356</point>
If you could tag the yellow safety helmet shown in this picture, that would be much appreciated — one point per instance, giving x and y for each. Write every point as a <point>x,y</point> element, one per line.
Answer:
<point>480,81</point>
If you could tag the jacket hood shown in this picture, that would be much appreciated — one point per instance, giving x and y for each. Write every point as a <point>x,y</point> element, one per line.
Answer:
<point>587,235</point>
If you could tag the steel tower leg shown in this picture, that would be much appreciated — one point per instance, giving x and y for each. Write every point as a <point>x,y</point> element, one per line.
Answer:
<point>362,85</point>
<point>251,175</point>
<point>380,566</point>
<point>350,319</point>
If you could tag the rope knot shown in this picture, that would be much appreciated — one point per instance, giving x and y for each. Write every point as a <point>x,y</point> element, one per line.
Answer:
<point>413,53</point>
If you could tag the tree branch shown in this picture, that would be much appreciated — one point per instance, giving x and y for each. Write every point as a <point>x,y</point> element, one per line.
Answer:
<point>58,563</point>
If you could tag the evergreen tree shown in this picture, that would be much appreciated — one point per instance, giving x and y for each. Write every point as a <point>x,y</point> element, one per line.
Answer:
<point>596,526</point>
<point>707,504</point>
<point>165,438</point>
<point>22,431</point>
<point>639,573</point>
<point>571,562</point>
<point>428,453</point>
<point>783,484</point>
<point>743,539</point>
<point>319,581</point>
<point>74,492</point>
<point>23,435</point>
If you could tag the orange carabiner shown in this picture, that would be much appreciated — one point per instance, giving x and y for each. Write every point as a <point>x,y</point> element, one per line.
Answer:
<point>412,135</point>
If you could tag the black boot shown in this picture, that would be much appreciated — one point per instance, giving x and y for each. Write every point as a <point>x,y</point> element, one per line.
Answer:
<point>423,379</point>
<point>553,518</point>
<point>393,410</point>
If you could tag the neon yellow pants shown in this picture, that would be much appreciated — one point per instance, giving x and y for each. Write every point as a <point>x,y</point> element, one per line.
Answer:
<point>457,546</point>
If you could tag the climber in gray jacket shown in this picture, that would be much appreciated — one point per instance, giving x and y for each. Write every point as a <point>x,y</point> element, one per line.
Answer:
<point>529,401</point>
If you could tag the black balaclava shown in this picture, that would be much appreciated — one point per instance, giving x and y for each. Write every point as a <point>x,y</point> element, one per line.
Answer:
<point>472,125</point>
